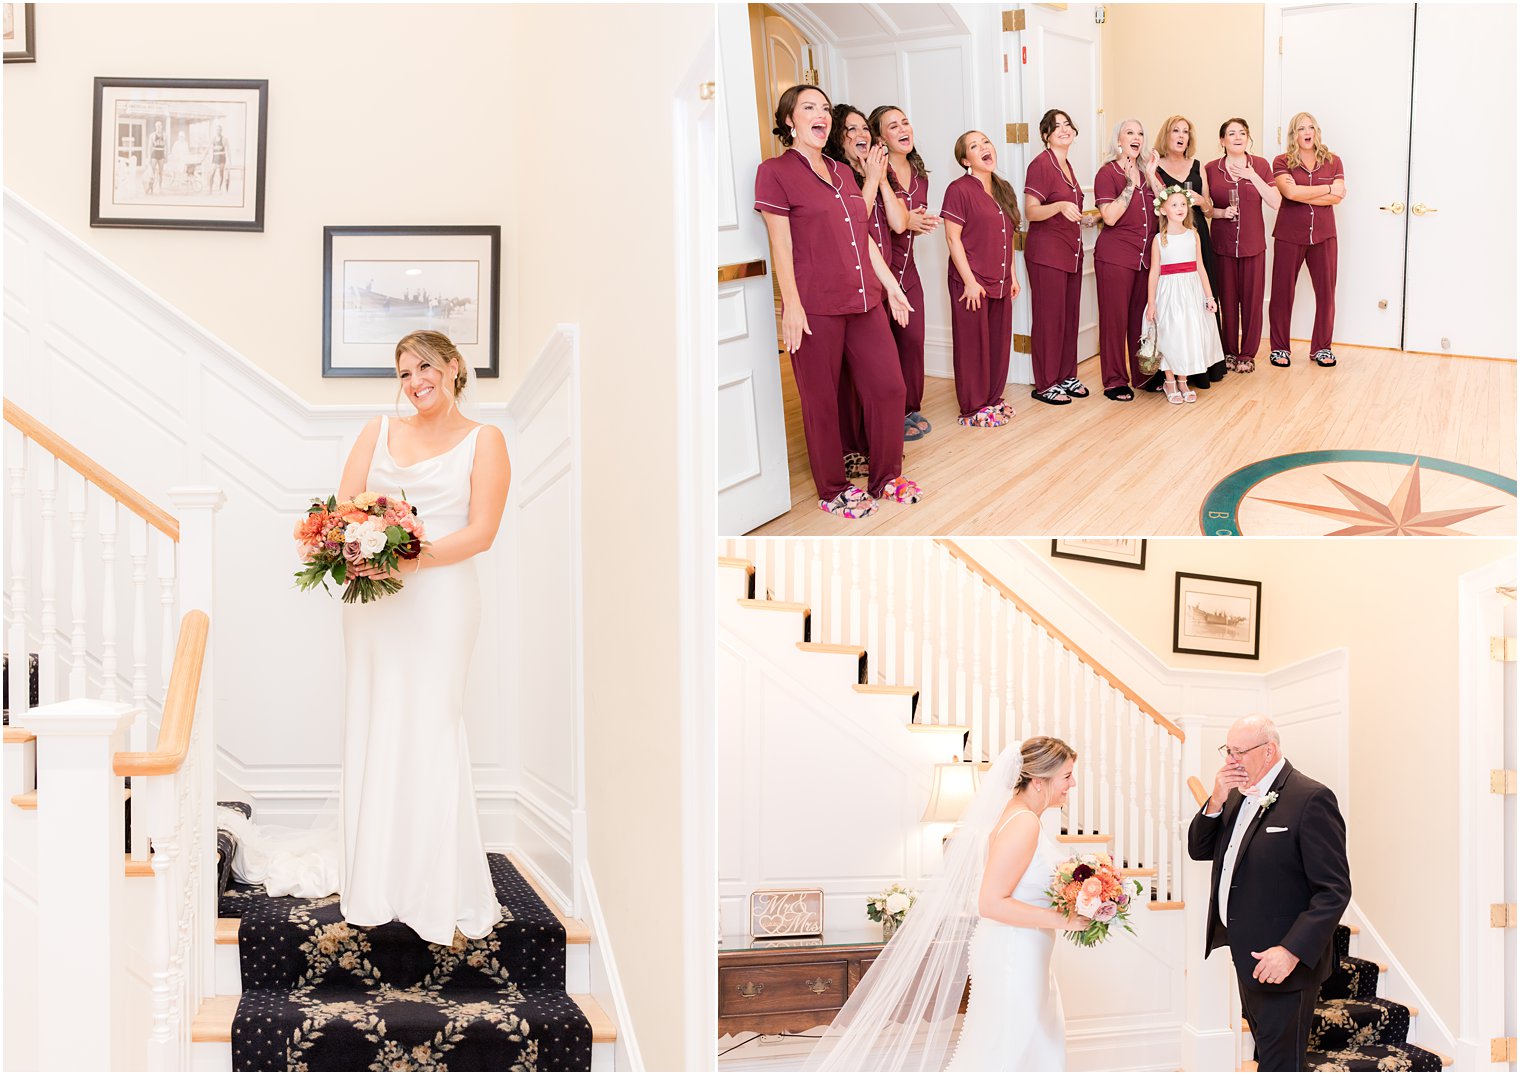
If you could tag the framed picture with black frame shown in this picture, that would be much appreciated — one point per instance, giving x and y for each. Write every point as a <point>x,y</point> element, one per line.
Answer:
<point>179,153</point>
<point>20,32</point>
<point>1120,552</point>
<point>382,282</point>
<point>1217,616</point>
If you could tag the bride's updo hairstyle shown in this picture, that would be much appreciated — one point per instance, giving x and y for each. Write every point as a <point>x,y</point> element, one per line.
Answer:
<point>438,351</point>
<point>1042,755</point>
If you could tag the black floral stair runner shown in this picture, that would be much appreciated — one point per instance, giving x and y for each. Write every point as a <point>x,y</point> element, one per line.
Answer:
<point>321,995</point>
<point>1356,1030</point>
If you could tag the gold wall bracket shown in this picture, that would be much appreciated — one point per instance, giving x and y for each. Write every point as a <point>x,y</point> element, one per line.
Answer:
<point>1022,344</point>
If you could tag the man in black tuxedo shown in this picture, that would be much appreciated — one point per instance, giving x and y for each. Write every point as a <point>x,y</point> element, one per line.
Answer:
<point>1280,884</point>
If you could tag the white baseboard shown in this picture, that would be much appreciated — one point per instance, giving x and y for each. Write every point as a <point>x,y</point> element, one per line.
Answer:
<point>606,984</point>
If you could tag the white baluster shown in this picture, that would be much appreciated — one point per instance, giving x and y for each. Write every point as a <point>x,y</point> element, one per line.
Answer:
<point>837,632</point>
<point>155,798</point>
<point>925,557</point>
<point>857,602</point>
<point>1102,759</point>
<point>942,675</point>
<point>1008,731</point>
<point>994,668</point>
<point>108,509</point>
<point>815,595</point>
<point>873,613</point>
<point>137,547</point>
<point>19,685</point>
<point>1163,816</point>
<point>47,649</point>
<point>1120,785</point>
<point>78,505</point>
<point>1042,720</point>
<point>1089,682</point>
<point>1132,822</point>
<point>1026,644</point>
<point>762,569</point>
<point>797,558</point>
<point>911,671</point>
<point>962,672</point>
<point>892,673</point>
<point>1148,848</point>
<point>974,710</point>
<point>167,618</point>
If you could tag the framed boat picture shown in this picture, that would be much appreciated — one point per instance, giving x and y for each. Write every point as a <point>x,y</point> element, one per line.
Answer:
<point>20,32</point>
<point>179,153</point>
<point>381,283</point>
<point>1216,616</point>
<point>1121,552</point>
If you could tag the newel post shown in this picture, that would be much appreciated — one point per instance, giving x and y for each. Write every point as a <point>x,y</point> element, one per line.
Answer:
<point>197,506</point>
<point>81,826</point>
<point>1208,1036</point>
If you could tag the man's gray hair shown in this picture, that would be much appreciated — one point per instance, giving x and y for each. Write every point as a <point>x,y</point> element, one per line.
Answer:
<point>1263,724</point>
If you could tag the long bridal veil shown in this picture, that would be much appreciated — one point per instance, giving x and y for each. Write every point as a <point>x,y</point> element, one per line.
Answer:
<point>902,1015</point>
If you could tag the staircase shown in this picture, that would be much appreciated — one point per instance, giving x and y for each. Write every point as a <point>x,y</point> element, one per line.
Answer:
<point>298,988</point>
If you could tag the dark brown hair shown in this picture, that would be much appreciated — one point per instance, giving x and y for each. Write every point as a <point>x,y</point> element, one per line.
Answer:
<point>1002,190</point>
<point>1048,124</point>
<point>787,105</point>
<point>915,158</point>
<point>834,147</point>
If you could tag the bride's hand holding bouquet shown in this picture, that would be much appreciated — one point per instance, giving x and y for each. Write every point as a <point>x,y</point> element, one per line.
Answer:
<point>1093,895</point>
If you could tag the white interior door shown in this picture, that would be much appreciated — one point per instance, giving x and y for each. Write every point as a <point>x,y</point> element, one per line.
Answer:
<point>788,62</point>
<point>1350,66</point>
<point>1061,65</point>
<point>753,481</point>
<point>1461,269</point>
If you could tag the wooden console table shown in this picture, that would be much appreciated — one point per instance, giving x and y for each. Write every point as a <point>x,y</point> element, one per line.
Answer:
<point>787,990</point>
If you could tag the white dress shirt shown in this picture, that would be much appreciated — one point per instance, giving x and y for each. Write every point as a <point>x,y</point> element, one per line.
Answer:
<point>1248,810</point>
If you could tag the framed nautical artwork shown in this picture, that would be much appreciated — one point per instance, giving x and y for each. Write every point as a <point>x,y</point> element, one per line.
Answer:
<point>20,32</point>
<point>1121,552</point>
<point>381,283</point>
<point>1216,616</point>
<point>179,153</point>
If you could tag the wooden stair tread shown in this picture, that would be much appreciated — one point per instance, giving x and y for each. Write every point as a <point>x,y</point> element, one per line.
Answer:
<point>831,647</point>
<point>18,735</point>
<point>227,930</point>
<point>27,800</point>
<point>214,1021</point>
<point>602,1027</point>
<point>884,688</point>
<point>1138,871</point>
<point>760,605</point>
<point>736,561</point>
<point>1084,838</point>
<point>139,869</point>
<point>958,729</point>
<point>576,931</point>
<point>1165,905</point>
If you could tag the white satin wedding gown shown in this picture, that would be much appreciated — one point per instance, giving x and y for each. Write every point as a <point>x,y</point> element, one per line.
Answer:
<point>1014,1020</point>
<point>407,845</point>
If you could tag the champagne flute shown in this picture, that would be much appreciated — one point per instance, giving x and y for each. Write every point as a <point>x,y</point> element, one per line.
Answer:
<point>1235,201</point>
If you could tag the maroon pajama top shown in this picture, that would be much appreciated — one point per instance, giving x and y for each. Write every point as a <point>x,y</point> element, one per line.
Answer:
<point>1246,235</point>
<point>1304,234</point>
<point>1056,241</point>
<point>986,234</point>
<point>1303,224</point>
<point>1240,248</point>
<point>981,339</point>
<point>1054,246</point>
<point>1122,259</point>
<point>1128,242</point>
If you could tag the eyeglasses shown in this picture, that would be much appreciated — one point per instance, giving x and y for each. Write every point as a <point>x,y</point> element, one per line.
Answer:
<point>1230,754</point>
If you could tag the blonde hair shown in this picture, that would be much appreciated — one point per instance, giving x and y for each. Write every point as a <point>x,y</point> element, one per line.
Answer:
<point>1115,151</point>
<point>1165,133</point>
<point>1187,219</point>
<point>1042,755</point>
<point>1322,152</point>
<point>438,350</point>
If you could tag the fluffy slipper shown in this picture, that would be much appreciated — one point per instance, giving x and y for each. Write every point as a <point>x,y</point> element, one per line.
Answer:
<point>848,506</point>
<point>911,431</point>
<point>986,418</point>
<point>856,465</point>
<point>901,490</point>
<point>1121,394</point>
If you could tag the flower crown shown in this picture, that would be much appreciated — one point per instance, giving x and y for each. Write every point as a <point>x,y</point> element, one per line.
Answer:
<point>1175,188</point>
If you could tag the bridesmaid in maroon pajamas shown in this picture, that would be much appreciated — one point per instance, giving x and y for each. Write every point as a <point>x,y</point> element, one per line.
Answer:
<point>1053,259</point>
<point>1122,257</point>
<point>832,276</point>
<point>981,214</point>
<point>1240,183</point>
<point>1311,180</point>
<point>908,180</point>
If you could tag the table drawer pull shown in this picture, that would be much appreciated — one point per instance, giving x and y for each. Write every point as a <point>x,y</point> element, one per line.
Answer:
<point>819,985</point>
<point>749,990</point>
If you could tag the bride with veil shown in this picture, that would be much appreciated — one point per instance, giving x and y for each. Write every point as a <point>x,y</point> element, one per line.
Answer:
<point>987,917</point>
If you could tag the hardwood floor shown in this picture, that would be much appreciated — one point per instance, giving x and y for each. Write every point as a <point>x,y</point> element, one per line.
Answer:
<point>1141,468</point>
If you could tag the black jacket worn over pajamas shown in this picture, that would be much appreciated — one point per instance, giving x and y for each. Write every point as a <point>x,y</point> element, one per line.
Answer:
<point>1289,887</point>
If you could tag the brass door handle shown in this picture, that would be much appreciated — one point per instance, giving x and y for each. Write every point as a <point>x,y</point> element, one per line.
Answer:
<point>749,990</point>
<point>1421,209</point>
<point>1397,208</point>
<point>744,270</point>
<point>819,985</point>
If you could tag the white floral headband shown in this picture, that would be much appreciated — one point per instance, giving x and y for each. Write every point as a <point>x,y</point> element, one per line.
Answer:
<point>1176,188</point>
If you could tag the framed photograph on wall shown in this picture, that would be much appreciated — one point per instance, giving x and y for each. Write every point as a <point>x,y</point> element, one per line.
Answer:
<point>380,283</point>
<point>179,153</point>
<point>20,32</point>
<point>1121,552</point>
<point>1217,616</point>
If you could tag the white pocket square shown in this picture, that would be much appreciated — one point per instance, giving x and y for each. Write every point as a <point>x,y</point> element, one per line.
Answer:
<point>1277,828</point>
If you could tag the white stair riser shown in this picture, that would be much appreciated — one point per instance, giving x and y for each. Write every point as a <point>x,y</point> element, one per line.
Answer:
<point>733,582</point>
<point>767,629</point>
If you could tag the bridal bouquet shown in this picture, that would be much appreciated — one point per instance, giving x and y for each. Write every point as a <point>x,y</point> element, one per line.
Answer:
<point>1092,886</point>
<point>369,529</point>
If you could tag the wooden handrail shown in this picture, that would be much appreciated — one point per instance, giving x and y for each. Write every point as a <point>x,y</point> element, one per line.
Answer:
<point>1196,787</point>
<point>92,471</point>
<point>179,704</point>
<point>1051,629</point>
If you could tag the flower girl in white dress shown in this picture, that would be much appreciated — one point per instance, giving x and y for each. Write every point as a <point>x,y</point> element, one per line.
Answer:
<point>1181,301</point>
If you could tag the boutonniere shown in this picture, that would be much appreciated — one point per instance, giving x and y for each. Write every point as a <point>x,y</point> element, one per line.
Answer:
<point>1266,800</point>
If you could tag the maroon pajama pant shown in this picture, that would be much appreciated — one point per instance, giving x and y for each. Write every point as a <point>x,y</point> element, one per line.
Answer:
<point>1243,282</point>
<point>861,344</point>
<point>910,343</point>
<point>1055,296</point>
<point>981,343</point>
<point>1121,316</point>
<point>1287,259</point>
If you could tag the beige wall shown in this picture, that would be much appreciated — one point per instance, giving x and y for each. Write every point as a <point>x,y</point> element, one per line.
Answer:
<point>1202,61</point>
<point>610,134</point>
<point>1393,605</point>
<point>376,116</point>
<point>552,121</point>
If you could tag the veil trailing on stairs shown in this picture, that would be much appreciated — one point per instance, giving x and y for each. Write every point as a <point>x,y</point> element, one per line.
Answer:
<point>902,1015</point>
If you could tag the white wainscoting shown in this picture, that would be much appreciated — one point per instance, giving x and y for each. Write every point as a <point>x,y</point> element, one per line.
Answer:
<point>152,396</point>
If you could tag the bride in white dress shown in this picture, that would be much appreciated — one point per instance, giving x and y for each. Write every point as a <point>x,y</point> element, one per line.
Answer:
<point>408,844</point>
<point>986,915</point>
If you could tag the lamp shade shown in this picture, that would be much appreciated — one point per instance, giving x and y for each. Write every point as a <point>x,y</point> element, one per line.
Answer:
<point>954,785</point>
